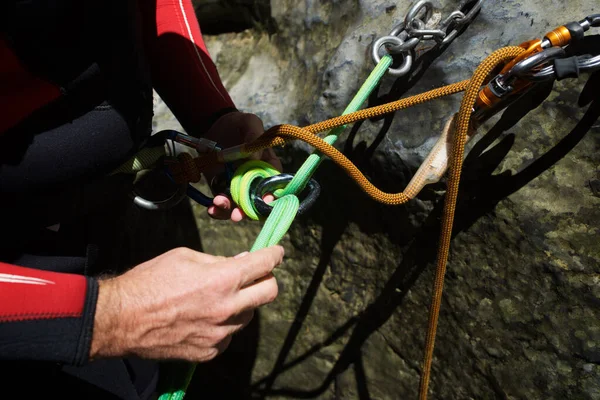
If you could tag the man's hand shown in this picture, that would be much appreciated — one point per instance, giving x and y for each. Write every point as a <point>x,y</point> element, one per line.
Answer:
<point>182,304</point>
<point>231,130</point>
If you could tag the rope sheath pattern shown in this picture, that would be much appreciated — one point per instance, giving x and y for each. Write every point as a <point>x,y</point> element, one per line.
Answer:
<point>284,211</point>
<point>280,134</point>
<point>461,130</point>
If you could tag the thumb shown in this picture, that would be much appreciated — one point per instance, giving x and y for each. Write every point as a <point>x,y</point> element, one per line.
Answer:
<point>256,265</point>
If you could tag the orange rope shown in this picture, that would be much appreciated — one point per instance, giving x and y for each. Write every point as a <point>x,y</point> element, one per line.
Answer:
<point>455,165</point>
<point>278,136</point>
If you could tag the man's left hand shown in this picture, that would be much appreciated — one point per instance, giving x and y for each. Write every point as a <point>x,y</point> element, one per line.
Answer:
<point>230,130</point>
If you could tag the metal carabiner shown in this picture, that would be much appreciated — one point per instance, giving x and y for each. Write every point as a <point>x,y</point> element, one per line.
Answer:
<point>160,205</point>
<point>269,185</point>
<point>585,63</point>
<point>201,145</point>
<point>527,65</point>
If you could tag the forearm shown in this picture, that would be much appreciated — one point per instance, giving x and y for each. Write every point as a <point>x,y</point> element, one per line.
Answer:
<point>182,71</point>
<point>45,316</point>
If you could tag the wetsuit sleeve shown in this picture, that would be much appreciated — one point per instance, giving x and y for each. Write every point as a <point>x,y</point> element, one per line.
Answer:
<point>46,316</point>
<point>183,73</point>
<point>21,92</point>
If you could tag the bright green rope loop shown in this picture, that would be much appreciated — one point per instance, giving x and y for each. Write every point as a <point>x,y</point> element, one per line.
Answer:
<point>286,206</point>
<point>241,181</point>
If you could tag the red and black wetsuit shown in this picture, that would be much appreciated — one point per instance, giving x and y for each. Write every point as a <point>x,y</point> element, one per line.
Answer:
<point>76,79</point>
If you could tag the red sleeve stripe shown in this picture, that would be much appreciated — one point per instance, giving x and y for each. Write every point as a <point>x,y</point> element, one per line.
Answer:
<point>31,294</point>
<point>172,17</point>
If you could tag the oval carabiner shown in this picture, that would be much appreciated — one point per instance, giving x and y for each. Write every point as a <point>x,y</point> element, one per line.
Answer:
<point>269,185</point>
<point>160,205</point>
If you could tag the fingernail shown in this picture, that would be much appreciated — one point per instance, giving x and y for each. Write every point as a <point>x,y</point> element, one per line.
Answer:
<point>241,255</point>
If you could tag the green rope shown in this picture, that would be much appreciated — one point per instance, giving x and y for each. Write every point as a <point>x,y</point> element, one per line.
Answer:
<point>306,171</point>
<point>241,181</point>
<point>287,203</point>
<point>174,387</point>
<point>279,221</point>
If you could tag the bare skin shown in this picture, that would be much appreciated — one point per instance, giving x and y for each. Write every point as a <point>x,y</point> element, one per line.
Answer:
<point>182,305</point>
<point>230,130</point>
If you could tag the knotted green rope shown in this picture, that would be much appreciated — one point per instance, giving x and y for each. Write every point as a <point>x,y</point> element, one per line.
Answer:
<point>287,203</point>
<point>243,178</point>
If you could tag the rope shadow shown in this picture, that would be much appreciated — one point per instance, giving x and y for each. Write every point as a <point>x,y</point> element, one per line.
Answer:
<point>481,191</point>
<point>475,200</point>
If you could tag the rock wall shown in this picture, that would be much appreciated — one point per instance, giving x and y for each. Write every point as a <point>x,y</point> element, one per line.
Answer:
<point>520,314</point>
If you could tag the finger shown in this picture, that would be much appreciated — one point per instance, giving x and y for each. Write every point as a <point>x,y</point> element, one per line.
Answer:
<point>262,291</point>
<point>182,254</point>
<point>221,208</point>
<point>237,215</point>
<point>223,344</point>
<point>253,127</point>
<point>257,264</point>
<point>218,213</point>
<point>239,321</point>
<point>223,202</point>
<point>269,198</point>
<point>269,156</point>
<point>254,156</point>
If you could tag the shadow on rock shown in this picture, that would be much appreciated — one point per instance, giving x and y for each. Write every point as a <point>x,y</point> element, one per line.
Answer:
<point>481,191</point>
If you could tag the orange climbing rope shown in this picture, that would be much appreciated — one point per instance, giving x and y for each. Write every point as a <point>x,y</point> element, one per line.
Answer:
<point>461,129</point>
<point>189,169</point>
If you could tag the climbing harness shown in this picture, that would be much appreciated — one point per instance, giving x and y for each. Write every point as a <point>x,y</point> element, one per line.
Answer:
<point>498,81</point>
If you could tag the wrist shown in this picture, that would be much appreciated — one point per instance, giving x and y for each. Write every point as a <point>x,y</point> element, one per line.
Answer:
<point>107,340</point>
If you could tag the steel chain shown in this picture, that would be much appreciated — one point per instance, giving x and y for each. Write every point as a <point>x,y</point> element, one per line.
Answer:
<point>407,35</point>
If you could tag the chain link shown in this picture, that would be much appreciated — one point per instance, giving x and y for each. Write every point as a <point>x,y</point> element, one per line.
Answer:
<point>407,35</point>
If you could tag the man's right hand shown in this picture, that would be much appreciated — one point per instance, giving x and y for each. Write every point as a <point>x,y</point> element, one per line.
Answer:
<point>182,304</point>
